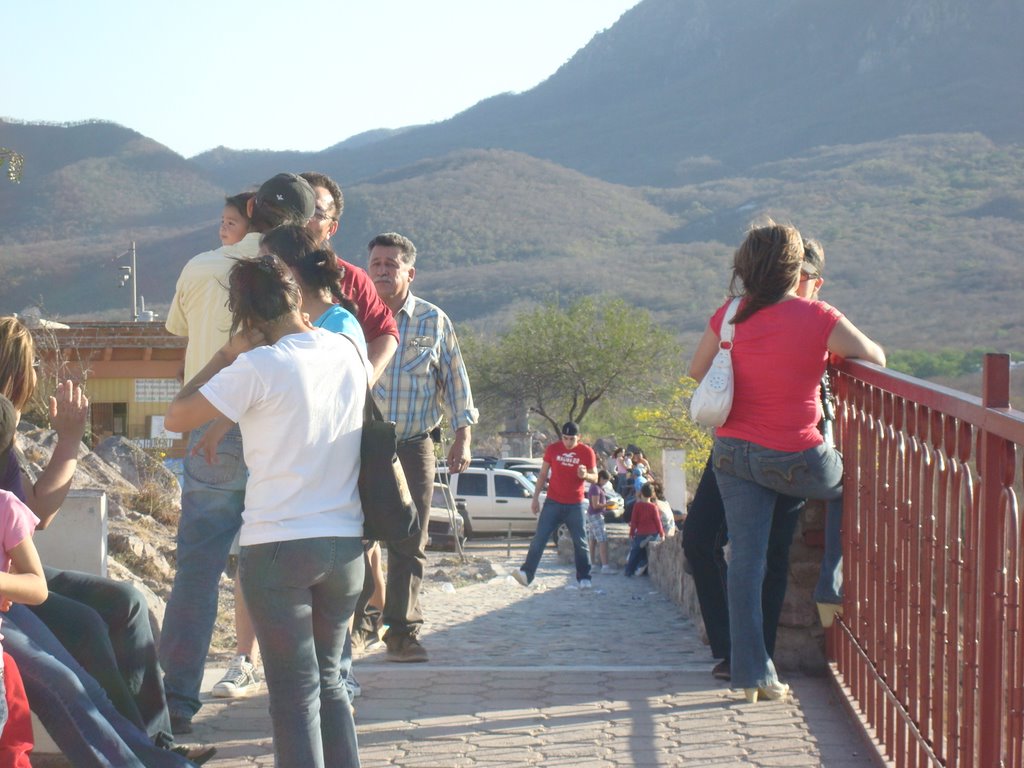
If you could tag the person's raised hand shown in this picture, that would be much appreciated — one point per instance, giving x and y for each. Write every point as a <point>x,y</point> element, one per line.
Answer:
<point>69,411</point>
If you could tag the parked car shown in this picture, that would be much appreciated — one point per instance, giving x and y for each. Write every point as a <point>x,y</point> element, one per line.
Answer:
<point>439,521</point>
<point>495,499</point>
<point>529,468</point>
<point>484,462</point>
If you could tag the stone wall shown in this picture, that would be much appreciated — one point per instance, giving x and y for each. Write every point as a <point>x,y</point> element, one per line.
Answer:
<point>801,641</point>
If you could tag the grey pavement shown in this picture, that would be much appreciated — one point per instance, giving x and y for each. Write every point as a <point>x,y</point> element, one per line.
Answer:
<point>554,676</point>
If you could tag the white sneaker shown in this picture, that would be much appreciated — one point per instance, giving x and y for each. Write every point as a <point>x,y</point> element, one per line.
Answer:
<point>520,575</point>
<point>608,569</point>
<point>353,686</point>
<point>240,680</point>
<point>585,584</point>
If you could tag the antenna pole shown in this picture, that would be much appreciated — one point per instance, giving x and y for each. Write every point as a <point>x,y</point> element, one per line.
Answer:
<point>135,289</point>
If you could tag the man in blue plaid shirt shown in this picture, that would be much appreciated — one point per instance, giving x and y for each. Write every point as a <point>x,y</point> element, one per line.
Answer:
<point>426,377</point>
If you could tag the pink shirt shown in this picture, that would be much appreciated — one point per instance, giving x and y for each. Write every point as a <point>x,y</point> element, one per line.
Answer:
<point>17,523</point>
<point>778,357</point>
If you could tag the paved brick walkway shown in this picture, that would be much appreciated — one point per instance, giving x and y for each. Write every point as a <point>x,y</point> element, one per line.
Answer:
<point>552,676</point>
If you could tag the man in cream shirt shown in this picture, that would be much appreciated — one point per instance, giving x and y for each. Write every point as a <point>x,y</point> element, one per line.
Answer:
<point>213,494</point>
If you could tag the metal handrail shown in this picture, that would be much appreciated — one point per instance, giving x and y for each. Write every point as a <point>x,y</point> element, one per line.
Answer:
<point>931,644</point>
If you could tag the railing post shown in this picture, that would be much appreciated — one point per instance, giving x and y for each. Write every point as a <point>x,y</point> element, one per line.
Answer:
<point>995,394</point>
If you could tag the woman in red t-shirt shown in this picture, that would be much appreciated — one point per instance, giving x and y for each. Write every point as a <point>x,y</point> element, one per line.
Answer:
<point>770,445</point>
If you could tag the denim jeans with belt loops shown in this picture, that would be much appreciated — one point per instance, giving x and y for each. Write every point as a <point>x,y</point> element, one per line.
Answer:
<point>750,478</point>
<point>212,499</point>
<point>301,595</point>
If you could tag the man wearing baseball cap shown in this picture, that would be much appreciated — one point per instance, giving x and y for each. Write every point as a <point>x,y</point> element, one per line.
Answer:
<point>212,493</point>
<point>569,463</point>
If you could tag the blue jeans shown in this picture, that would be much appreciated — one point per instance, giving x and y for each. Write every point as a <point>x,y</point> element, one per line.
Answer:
<point>72,705</point>
<point>750,478</point>
<point>552,515</point>
<point>829,588</point>
<point>301,595</point>
<point>638,553</point>
<point>105,625</point>
<point>211,514</point>
<point>704,536</point>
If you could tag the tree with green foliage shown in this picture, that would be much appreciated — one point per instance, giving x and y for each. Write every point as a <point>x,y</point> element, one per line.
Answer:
<point>15,163</point>
<point>559,362</point>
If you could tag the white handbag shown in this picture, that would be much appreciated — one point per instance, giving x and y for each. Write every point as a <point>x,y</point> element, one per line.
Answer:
<point>712,400</point>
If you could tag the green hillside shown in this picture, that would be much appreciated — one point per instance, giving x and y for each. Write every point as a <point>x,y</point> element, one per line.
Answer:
<point>921,234</point>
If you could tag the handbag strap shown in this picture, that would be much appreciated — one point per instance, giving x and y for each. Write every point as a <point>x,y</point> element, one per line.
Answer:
<point>727,327</point>
<point>370,410</point>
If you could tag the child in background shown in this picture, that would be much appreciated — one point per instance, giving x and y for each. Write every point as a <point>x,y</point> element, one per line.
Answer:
<point>17,524</point>
<point>623,469</point>
<point>640,479</point>
<point>598,503</point>
<point>234,221</point>
<point>644,527</point>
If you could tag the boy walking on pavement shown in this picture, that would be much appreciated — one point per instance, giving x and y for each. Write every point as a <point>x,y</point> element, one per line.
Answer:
<point>569,463</point>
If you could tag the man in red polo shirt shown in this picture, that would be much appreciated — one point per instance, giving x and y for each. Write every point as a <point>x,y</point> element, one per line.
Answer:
<point>568,463</point>
<point>374,317</point>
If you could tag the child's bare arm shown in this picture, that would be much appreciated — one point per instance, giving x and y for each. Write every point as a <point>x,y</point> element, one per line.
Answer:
<point>27,585</point>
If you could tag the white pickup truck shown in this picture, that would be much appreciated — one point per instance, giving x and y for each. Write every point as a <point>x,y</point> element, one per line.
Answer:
<point>495,499</point>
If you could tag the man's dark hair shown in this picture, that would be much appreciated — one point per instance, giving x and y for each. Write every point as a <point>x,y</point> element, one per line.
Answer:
<point>323,180</point>
<point>394,240</point>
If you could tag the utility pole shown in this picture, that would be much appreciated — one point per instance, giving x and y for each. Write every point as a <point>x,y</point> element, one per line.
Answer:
<point>130,275</point>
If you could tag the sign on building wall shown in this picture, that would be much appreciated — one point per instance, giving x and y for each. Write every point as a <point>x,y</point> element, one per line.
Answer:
<point>156,390</point>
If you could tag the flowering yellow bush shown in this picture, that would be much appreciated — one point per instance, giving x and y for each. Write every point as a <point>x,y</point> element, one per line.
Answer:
<point>669,423</point>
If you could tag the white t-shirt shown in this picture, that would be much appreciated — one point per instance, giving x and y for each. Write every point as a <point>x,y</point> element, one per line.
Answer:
<point>668,519</point>
<point>299,405</point>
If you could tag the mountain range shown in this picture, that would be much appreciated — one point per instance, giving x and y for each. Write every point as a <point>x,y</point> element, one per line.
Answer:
<point>893,130</point>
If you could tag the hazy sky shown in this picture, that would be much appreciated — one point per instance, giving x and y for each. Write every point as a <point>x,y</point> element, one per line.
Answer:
<point>196,74</point>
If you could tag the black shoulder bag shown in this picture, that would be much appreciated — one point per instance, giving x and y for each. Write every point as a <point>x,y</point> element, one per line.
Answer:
<point>389,513</point>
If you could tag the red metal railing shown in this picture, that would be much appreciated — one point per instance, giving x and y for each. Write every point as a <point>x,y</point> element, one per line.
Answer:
<point>931,643</point>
